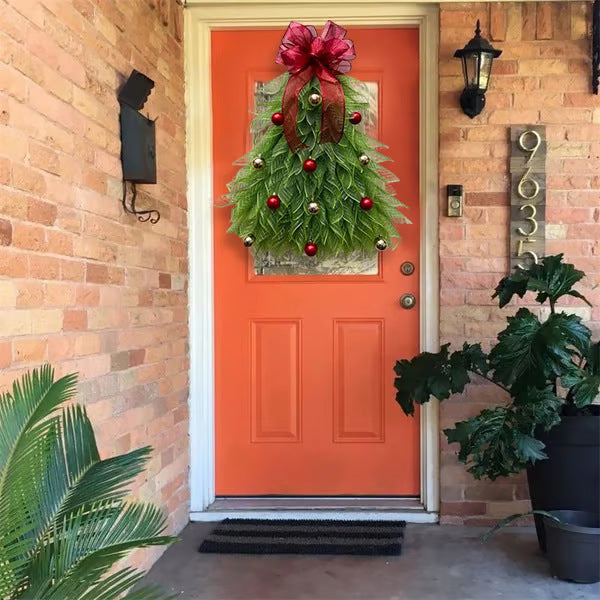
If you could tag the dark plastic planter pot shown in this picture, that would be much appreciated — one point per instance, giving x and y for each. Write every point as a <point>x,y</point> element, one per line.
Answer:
<point>570,478</point>
<point>574,545</point>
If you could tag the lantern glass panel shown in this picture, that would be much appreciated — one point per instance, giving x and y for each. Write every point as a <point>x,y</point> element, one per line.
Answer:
<point>485,69</point>
<point>471,70</point>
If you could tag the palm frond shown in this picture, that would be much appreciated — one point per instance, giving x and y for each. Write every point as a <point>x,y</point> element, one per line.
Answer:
<point>63,520</point>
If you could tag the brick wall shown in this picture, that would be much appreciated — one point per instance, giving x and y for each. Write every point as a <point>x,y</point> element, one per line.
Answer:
<point>543,76</point>
<point>82,285</point>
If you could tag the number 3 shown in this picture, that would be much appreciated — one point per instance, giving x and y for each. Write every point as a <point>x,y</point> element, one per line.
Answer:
<point>534,223</point>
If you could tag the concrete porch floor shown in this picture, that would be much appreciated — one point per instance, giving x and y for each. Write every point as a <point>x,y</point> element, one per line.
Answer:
<point>438,563</point>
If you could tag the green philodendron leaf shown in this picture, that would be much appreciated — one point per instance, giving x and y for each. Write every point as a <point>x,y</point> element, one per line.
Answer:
<point>592,359</point>
<point>492,445</point>
<point>550,278</point>
<point>530,448</point>
<point>436,374</point>
<point>586,390</point>
<point>535,407</point>
<point>476,359</point>
<point>531,353</point>
<point>511,356</point>
<point>515,284</point>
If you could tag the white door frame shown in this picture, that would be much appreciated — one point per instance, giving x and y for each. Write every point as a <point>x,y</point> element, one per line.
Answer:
<point>200,19</point>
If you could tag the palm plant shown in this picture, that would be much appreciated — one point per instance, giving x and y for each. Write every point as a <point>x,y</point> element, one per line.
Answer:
<point>64,520</point>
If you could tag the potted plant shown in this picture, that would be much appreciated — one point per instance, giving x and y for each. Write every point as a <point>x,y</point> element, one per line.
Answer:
<point>549,371</point>
<point>64,519</point>
<point>572,540</point>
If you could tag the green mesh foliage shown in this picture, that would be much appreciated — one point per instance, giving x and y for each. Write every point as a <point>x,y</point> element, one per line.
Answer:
<point>337,185</point>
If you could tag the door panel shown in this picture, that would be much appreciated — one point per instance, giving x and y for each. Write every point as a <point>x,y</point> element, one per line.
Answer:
<point>303,374</point>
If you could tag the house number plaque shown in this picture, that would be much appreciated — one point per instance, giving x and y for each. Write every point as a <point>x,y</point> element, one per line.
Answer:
<point>528,195</point>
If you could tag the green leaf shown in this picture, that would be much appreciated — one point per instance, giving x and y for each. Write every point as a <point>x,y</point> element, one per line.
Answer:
<point>515,517</point>
<point>530,353</point>
<point>586,391</point>
<point>592,359</point>
<point>551,278</point>
<point>530,448</point>
<point>63,520</point>
<point>492,444</point>
<point>436,374</point>
<point>515,284</point>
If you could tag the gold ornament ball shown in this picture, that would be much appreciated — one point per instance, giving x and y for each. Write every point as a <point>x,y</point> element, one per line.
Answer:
<point>248,240</point>
<point>258,163</point>
<point>381,244</point>
<point>315,99</point>
<point>364,160</point>
<point>313,208</point>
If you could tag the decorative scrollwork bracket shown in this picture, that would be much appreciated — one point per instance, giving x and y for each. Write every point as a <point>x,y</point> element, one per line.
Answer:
<point>143,215</point>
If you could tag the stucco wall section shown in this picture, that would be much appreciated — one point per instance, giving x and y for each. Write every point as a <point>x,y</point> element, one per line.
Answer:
<point>543,76</point>
<point>82,285</point>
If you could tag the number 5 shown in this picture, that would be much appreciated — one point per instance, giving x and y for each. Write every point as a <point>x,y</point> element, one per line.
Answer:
<point>521,252</point>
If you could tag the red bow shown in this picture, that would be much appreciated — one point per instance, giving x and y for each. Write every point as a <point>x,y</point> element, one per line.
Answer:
<point>305,56</point>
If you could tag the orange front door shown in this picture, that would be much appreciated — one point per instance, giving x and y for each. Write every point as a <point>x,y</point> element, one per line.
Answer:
<point>303,373</point>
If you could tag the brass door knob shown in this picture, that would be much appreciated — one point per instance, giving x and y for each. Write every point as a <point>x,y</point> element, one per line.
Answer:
<point>407,301</point>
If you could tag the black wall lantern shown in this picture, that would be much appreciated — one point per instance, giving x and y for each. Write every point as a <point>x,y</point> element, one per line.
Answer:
<point>138,142</point>
<point>477,57</point>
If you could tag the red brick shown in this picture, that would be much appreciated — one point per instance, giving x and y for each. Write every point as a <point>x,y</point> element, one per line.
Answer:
<point>463,508</point>
<point>59,243</point>
<point>43,267</point>
<point>43,158</point>
<point>561,21</point>
<point>74,320</point>
<point>164,280</point>
<point>30,350</point>
<point>96,273</point>
<point>497,21</point>
<point>544,21</point>
<point>58,294</point>
<point>72,270</point>
<point>529,21</point>
<point>5,354</point>
<point>136,357</point>
<point>28,180</point>
<point>31,294</point>
<point>30,237</point>
<point>13,263</point>
<point>4,171</point>
<point>41,212</point>
<point>6,232</point>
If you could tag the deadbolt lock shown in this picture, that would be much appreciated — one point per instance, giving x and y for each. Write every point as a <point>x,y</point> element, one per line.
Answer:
<point>407,268</point>
<point>407,301</point>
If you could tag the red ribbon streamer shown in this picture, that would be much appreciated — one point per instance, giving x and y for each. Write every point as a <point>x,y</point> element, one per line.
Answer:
<point>305,56</point>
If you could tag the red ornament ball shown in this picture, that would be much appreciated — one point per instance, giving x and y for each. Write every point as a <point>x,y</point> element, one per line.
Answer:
<point>355,118</point>
<point>277,118</point>
<point>273,202</point>
<point>309,165</point>
<point>310,249</point>
<point>366,203</point>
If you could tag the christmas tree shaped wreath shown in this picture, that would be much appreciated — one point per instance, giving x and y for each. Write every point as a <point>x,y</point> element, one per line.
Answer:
<point>314,181</point>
